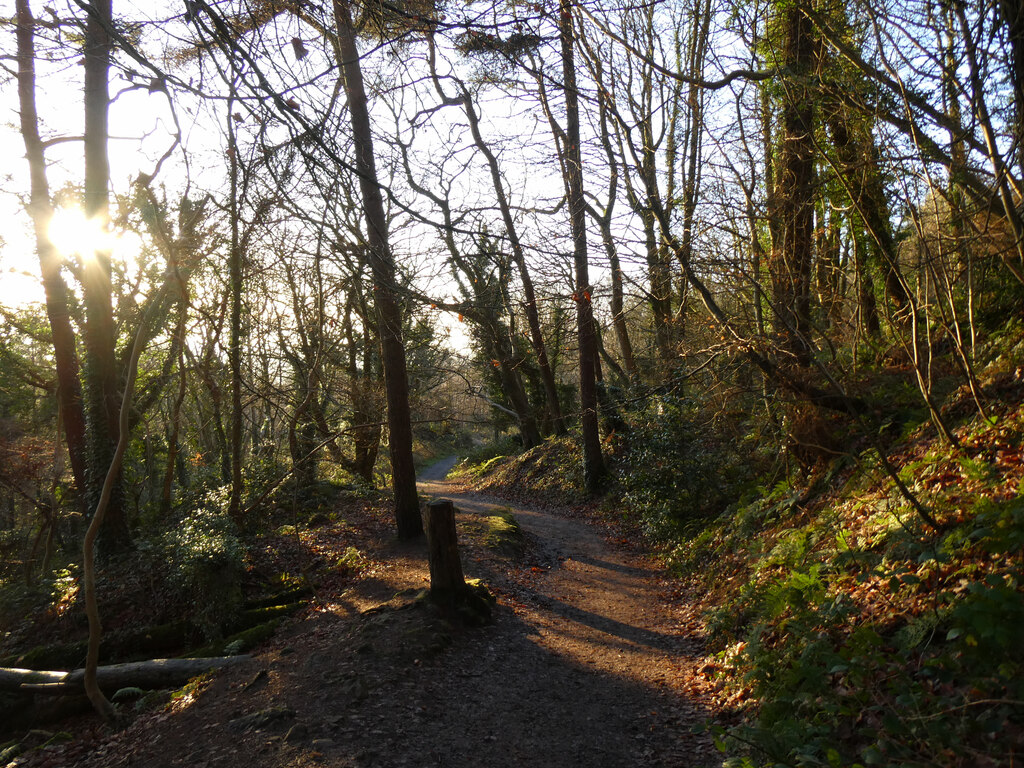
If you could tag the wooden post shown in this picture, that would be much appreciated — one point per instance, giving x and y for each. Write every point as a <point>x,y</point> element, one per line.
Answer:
<point>445,566</point>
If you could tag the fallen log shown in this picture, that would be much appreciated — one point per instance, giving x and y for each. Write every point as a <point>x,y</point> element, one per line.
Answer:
<point>148,675</point>
<point>180,637</point>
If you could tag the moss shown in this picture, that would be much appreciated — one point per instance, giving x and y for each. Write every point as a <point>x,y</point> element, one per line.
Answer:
<point>192,688</point>
<point>471,606</point>
<point>160,638</point>
<point>475,605</point>
<point>9,751</point>
<point>57,656</point>
<point>240,642</point>
<point>256,616</point>
<point>503,533</point>
<point>283,597</point>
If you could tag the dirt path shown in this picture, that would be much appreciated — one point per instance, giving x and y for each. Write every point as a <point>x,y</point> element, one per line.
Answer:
<point>585,665</point>
<point>591,659</point>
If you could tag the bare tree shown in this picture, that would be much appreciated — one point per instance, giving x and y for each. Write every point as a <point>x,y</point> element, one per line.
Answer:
<point>389,313</point>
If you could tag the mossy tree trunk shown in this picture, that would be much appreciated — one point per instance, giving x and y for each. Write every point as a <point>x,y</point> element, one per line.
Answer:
<point>101,367</point>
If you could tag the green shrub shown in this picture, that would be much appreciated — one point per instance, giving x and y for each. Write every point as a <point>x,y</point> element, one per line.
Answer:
<point>681,472</point>
<point>206,564</point>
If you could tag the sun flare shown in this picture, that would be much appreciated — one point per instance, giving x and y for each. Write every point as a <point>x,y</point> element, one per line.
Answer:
<point>74,234</point>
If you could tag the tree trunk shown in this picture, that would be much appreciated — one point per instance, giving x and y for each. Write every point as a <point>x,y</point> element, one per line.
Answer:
<point>604,221</point>
<point>499,347</point>
<point>235,327</point>
<point>69,388</point>
<point>793,196</point>
<point>660,278</point>
<point>1012,14</point>
<point>867,307</point>
<point>175,426</point>
<point>617,304</point>
<point>446,576</point>
<point>858,164</point>
<point>530,304</point>
<point>485,302</point>
<point>389,311</point>
<point>693,142</point>
<point>110,481</point>
<point>101,370</point>
<point>594,469</point>
<point>366,429</point>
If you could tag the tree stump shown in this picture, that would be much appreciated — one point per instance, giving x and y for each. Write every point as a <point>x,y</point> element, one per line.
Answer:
<point>469,603</point>
<point>446,578</point>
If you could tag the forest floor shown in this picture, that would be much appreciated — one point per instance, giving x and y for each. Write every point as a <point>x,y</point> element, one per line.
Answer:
<point>591,660</point>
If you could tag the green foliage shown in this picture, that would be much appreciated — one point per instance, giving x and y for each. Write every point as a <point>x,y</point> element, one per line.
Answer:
<point>352,561</point>
<point>306,500</point>
<point>206,563</point>
<point>680,472</point>
<point>481,459</point>
<point>915,682</point>
<point>851,633</point>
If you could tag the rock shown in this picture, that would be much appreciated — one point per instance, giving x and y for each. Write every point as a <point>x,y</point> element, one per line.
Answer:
<point>261,719</point>
<point>357,689</point>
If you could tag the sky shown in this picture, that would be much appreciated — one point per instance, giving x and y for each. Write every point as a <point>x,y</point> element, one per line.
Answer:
<point>139,134</point>
<point>141,128</point>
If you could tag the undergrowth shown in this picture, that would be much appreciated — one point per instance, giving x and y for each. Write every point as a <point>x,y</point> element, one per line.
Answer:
<point>847,631</point>
<point>206,562</point>
<point>551,471</point>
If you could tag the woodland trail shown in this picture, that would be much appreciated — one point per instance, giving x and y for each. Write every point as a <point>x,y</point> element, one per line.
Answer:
<point>593,669</point>
<point>587,664</point>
